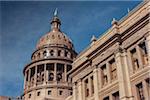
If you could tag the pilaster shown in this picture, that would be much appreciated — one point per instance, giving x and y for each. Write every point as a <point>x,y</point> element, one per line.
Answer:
<point>130,62</point>
<point>74,91</point>
<point>139,56</point>
<point>123,75</point>
<point>83,87</point>
<point>100,78</point>
<point>90,88</point>
<point>80,90</point>
<point>145,90</point>
<point>96,85</point>
<point>147,42</point>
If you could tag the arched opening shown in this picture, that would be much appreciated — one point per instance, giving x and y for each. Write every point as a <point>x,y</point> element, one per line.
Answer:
<point>52,53</point>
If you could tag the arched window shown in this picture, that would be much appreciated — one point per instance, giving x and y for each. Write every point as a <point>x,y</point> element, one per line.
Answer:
<point>59,52</point>
<point>38,55</point>
<point>44,54</point>
<point>66,53</point>
<point>52,53</point>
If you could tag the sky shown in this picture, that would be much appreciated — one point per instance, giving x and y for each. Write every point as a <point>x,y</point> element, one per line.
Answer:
<point>23,23</point>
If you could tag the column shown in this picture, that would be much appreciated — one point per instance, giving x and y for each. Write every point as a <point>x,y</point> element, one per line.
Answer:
<point>29,77</point>
<point>147,42</point>
<point>100,78</point>
<point>96,85</point>
<point>123,75</point>
<point>35,76</point>
<point>139,56</point>
<point>45,81</point>
<point>108,72</point>
<point>65,72</point>
<point>74,91</point>
<point>55,72</point>
<point>80,91</point>
<point>110,97</point>
<point>25,75</point>
<point>83,87</point>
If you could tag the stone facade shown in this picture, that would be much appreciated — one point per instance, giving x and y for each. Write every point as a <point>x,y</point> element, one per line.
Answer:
<point>117,65</point>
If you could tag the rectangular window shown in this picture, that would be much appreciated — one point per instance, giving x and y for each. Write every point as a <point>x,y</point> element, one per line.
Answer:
<point>60,92</point>
<point>106,98</point>
<point>38,93</point>
<point>104,75</point>
<point>60,71</point>
<point>32,75</point>
<point>29,95</point>
<point>140,91</point>
<point>86,88</point>
<point>50,69</point>
<point>134,57</point>
<point>143,53</point>
<point>70,93</point>
<point>50,66</point>
<point>116,96</point>
<point>40,73</point>
<point>49,92</point>
<point>113,68</point>
<point>92,85</point>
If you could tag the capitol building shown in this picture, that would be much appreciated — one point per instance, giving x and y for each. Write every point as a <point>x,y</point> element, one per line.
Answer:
<point>115,66</point>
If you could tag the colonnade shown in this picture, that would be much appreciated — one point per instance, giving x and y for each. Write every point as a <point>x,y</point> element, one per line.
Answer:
<point>58,71</point>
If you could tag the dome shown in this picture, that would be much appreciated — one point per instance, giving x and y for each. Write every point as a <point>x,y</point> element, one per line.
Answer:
<point>55,36</point>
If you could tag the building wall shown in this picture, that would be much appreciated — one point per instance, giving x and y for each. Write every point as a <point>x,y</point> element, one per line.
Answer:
<point>4,98</point>
<point>117,65</point>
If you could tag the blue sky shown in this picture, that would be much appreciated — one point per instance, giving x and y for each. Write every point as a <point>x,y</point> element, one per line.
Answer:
<point>23,23</point>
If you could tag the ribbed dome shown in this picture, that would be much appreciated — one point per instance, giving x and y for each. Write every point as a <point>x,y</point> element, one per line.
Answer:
<point>55,36</point>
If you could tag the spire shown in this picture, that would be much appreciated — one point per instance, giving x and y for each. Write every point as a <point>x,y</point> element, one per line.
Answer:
<point>56,12</point>
<point>55,23</point>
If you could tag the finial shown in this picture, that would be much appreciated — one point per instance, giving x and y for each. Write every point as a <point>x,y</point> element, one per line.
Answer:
<point>128,10</point>
<point>114,21</point>
<point>56,12</point>
<point>93,39</point>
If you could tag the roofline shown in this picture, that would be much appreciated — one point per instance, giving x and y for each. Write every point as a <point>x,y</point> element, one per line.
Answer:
<point>119,22</point>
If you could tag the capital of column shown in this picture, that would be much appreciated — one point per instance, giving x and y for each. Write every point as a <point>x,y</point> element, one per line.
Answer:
<point>75,83</point>
<point>118,52</point>
<point>79,80</point>
<point>95,70</point>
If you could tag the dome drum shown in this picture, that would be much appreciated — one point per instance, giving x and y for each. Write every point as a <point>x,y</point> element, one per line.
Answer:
<point>55,52</point>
